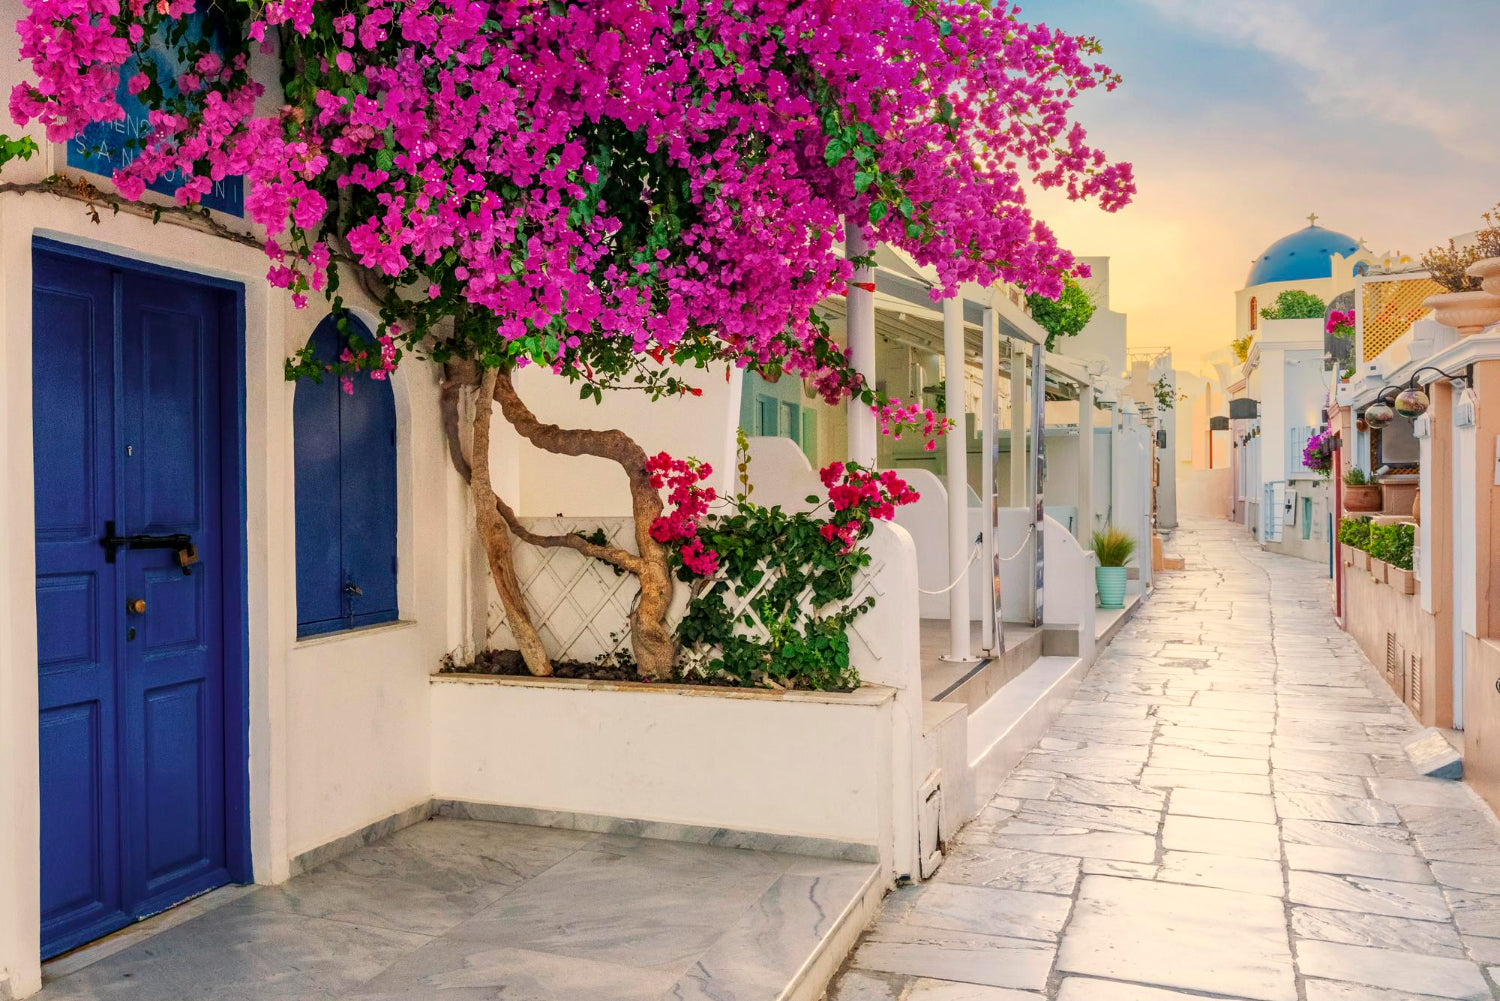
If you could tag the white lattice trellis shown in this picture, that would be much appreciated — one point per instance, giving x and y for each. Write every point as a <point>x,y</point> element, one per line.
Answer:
<point>581,606</point>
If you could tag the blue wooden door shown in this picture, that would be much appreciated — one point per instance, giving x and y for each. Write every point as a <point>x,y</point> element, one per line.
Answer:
<point>130,648</point>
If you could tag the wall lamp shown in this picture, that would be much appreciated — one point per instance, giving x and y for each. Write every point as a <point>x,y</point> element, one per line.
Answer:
<point>1410,401</point>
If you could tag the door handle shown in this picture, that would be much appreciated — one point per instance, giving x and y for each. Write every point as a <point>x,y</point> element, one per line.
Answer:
<point>135,606</point>
<point>187,553</point>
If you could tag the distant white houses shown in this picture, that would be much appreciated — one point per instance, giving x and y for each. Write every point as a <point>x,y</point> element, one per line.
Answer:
<point>1260,402</point>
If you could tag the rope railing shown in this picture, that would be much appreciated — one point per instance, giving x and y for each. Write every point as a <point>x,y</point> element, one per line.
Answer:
<point>974,555</point>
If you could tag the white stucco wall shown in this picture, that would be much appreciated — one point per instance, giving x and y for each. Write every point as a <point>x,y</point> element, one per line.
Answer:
<point>700,427</point>
<point>1104,337</point>
<point>474,750</point>
<point>665,755</point>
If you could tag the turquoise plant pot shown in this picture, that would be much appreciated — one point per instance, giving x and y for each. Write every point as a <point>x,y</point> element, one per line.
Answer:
<point>1111,584</point>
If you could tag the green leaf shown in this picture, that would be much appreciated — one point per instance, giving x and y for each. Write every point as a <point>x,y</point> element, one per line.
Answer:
<point>878,211</point>
<point>835,153</point>
<point>863,180</point>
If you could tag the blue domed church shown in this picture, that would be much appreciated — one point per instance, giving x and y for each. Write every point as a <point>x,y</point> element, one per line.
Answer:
<point>1281,383</point>
<point>1313,259</point>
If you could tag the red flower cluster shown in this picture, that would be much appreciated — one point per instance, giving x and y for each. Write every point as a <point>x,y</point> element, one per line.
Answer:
<point>689,504</point>
<point>858,496</point>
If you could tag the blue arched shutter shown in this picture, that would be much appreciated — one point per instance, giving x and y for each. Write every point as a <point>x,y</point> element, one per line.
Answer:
<point>345,463</point>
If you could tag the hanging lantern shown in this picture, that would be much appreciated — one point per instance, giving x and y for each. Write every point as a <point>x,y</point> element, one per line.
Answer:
<point>1379,414</point>
<point>1411,403</point>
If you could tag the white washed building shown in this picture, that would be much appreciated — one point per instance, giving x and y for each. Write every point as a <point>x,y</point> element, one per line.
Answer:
<point>164,732</point>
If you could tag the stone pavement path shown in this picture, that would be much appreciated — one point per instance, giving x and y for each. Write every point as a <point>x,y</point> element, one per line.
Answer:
<point>1223,811</point>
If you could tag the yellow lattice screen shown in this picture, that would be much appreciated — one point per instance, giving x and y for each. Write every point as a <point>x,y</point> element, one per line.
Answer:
<point>1390,308</point>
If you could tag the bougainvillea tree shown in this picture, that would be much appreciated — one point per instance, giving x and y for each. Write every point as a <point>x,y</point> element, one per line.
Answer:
<point>618,191</point>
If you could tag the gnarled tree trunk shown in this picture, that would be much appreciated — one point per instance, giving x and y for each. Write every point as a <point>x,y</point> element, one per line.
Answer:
<point>652,642</point>
<point>650,638</point>
<point>495,537</point>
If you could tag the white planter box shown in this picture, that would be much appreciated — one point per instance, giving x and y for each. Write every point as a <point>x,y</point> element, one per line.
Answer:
<point>800,771</point>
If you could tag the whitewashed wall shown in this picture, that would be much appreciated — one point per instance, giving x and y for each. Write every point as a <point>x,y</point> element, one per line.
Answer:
<point>1069,588</point>
<point>699,427</point>
<point>671,756</point>
<point>781,475</point>
<point>474,751</point>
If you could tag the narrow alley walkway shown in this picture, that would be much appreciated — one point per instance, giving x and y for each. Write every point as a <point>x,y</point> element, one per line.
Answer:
<point>1224,810</point>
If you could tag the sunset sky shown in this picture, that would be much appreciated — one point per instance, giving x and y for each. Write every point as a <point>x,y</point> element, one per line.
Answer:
<point>1242,116</point>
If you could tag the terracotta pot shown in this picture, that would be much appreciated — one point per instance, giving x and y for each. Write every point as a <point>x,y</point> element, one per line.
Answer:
<point>1416,507</point>
<point>1488,271</point>
<point>1466,312</point>
<point>1362,499</point>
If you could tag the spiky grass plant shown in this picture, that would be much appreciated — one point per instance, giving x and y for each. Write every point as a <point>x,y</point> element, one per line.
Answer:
<point>1113,547</point>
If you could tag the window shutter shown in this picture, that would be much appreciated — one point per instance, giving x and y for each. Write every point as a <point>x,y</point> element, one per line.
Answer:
<point>315,428</point>
<point>345,465</point>
<point>367,458</point>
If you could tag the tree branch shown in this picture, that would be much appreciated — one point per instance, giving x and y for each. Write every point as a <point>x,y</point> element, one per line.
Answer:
<point>614,445</point>
<point>614,555</point>
<point>458,375</point>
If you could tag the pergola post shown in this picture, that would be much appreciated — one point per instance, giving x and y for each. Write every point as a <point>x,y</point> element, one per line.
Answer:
<point>957,460</point>
<point>1039,471</point>
<point>1085,463</point>
<point>993,639</point>
<point>860,331</point>
<point>1017,425</point>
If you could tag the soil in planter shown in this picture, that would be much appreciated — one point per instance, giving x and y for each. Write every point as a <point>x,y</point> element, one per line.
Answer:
<point>508,663</point>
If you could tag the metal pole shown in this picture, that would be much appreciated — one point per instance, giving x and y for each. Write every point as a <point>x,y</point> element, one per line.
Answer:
<point>1017,425</point>
<point>1085,464</point>
<point>957,459</point>
<point>993,631</point>
<point>1039,468</point>
<point>861,336</point>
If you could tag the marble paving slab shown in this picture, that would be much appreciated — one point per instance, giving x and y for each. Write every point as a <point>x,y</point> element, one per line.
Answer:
<point>461,910</point>
<point>1228,803</point>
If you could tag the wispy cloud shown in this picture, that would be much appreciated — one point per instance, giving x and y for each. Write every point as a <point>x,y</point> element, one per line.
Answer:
<point>1354,61</point>
<point>1241,116</point>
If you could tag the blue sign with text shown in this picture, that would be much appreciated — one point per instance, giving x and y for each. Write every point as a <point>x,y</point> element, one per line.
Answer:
<point>104,147</point>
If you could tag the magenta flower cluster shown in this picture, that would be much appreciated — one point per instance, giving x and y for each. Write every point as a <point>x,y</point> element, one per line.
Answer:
<point>1317,454</point>
<point>1340,322</point>
<point>679,524</point>
<point>858,496</point>
<point>469,154</point>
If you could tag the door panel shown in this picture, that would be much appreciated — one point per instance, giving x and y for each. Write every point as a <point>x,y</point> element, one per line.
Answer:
<point>73,401</point>
<point>173,692</point>
<point>132,703</point>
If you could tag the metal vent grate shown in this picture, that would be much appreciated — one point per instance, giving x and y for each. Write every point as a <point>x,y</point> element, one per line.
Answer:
<point>1392,656</point>
<point>1414,687</point>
